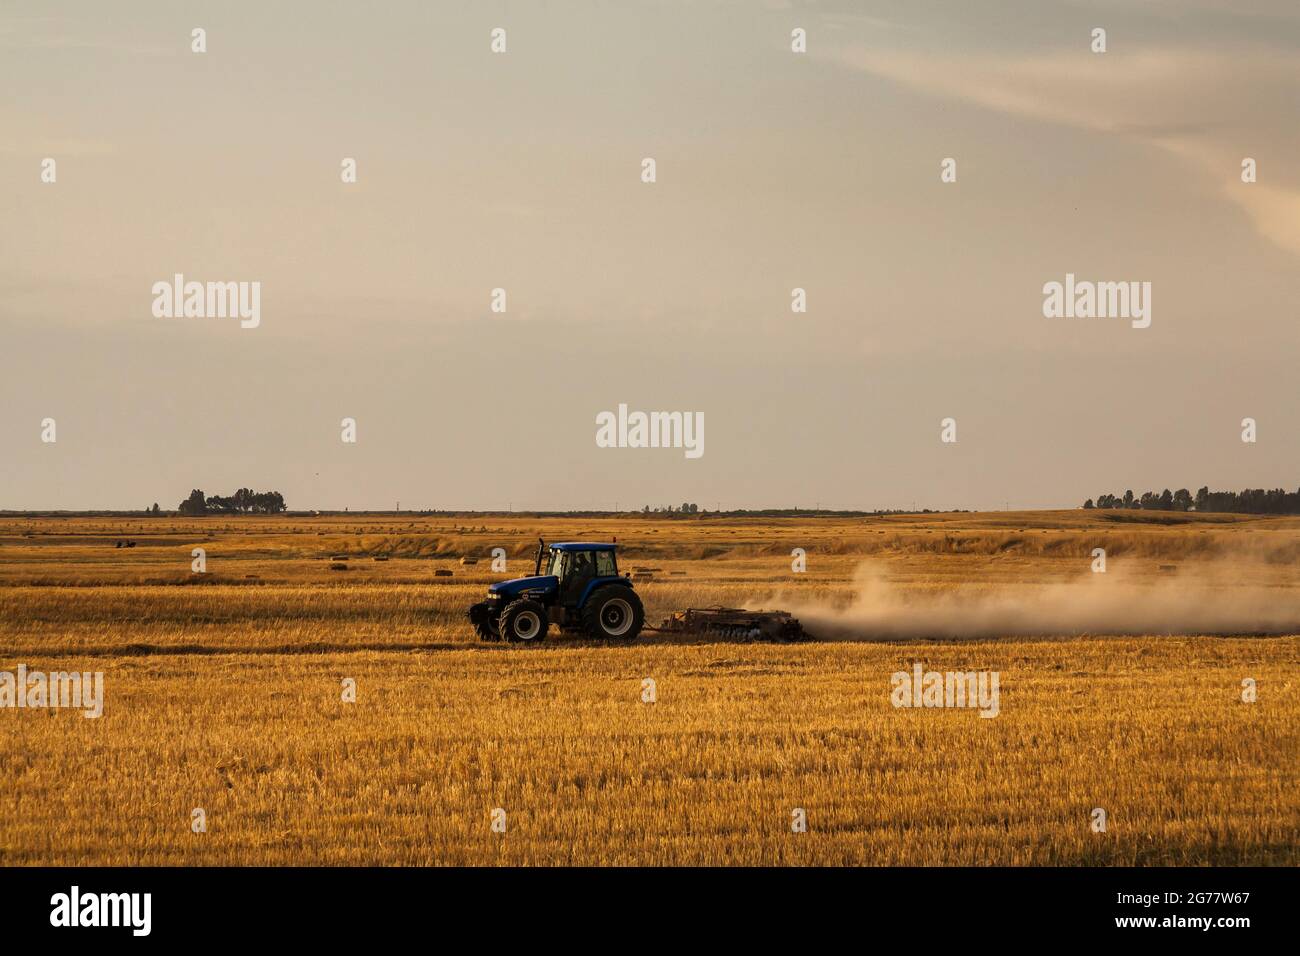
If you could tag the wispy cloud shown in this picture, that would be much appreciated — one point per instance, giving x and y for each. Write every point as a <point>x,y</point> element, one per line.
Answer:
<point>1208,109</point>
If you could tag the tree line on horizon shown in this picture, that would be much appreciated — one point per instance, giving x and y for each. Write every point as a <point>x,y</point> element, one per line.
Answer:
<point>245,500</point>
<point>1250,501</point>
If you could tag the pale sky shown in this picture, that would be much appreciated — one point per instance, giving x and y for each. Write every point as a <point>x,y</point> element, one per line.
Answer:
<point>522,171</point>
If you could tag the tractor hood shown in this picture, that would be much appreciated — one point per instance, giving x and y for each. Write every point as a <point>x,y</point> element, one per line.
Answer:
<point>509,589</point>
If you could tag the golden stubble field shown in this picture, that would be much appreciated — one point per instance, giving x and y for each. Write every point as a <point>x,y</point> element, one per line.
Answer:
<point>223,692</point>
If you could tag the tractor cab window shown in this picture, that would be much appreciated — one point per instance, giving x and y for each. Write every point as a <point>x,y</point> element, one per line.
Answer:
<point>583,567</point>
<point>605,566</point>
<point>579,569</point>
<point>556,565</point>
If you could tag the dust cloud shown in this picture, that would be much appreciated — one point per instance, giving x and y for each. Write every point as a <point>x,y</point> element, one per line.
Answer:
<point>1205,599</point>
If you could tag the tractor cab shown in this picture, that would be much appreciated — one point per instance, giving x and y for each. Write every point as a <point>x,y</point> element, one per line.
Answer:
<point>575,585</point>
<point>577,568</point>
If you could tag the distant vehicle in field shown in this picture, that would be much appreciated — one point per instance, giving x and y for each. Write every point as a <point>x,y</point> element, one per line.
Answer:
<point>581,590</point>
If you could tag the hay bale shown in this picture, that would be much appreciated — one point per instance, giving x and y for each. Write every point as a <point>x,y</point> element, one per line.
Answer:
<point>442,573</point>
<point>468,560</point>
<point>338,566</point>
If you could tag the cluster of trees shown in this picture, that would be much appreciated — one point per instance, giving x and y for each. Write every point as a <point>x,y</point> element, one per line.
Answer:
<point>1180,500</point>
<point>244,500</point>
<point>686,509</point>
<point>1250,501</point>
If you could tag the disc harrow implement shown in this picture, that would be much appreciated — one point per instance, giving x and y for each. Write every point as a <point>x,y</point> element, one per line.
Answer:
<point>737,624</point>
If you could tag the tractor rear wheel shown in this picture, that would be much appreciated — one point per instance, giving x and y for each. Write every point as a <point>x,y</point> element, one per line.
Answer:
<point>613,613</point>
<point>524,621</point>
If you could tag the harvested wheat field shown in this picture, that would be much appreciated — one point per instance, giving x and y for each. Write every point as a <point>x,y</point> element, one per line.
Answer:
<point>223,692</point>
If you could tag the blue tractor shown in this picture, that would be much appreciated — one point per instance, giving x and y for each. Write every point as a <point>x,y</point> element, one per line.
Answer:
<point>579,589</point>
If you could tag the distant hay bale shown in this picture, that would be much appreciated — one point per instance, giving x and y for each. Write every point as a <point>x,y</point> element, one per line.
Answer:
<point>338,566</point>
<point>468,560</point>
<point>338,557</point>
<point>381,557</point>
<point>441,573</point>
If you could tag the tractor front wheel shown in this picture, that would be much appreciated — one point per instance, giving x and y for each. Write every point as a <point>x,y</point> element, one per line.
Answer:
<point>524,621</point>
<point>485,625</point>
<point>614,613</point>
<point>485,631</point>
